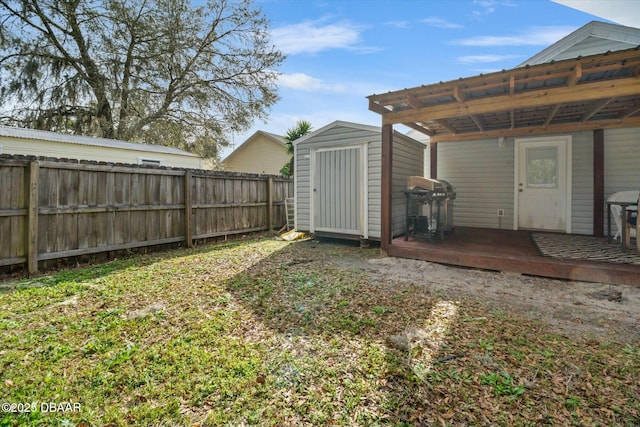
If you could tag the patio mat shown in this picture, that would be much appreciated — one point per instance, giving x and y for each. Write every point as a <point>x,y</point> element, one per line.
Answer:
<point>570,246</point>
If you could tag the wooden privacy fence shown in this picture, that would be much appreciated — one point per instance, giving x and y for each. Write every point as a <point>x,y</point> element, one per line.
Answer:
<point>56,209</point>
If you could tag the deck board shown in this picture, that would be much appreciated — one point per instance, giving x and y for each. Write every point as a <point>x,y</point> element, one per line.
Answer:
<point>510,251</point>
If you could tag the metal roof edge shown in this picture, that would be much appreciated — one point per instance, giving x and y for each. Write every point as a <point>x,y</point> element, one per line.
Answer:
<point>48,136</point>
<point>594,28</point>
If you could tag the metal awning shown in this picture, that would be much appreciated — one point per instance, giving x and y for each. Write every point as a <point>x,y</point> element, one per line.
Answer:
<point>594,92</point>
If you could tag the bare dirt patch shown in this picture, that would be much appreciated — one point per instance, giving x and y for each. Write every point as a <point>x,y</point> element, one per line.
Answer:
<point>601,311</point>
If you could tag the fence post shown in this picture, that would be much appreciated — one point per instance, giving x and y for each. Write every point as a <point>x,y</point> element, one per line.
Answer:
<point>270,202</point>
<point>187,209</point>
<point>32,218</point>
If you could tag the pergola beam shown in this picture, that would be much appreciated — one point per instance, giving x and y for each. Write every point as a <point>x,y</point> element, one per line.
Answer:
<point>552,114</point>
<point>419,128</point>
<point>595,109</point>
<point>576,76</point>
<point>533,99</point>
<point>478,123</point>
<point>540,130</point>
<point>635,109</point>
<point>414,102</point>
<point>595,63</point>
<point>446,125</point>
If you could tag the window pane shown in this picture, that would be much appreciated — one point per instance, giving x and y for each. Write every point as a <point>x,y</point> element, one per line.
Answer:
<point>542,167</point>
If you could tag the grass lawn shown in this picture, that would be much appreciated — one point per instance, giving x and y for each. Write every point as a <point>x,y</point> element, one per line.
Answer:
<point>272,333</point>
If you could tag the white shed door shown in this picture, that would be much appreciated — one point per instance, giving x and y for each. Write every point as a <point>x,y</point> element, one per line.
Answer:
<point>337,191</point>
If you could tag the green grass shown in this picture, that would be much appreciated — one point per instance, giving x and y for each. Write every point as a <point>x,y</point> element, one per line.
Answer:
<point>273,333</point>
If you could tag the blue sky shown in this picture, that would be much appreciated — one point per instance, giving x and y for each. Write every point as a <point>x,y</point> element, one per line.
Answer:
<point>340,51</point>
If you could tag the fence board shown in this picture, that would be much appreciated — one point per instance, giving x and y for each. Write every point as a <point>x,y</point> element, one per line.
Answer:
<point>89,208</point>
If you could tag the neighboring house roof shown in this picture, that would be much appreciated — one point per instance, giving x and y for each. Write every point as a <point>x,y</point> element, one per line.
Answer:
<point>591,39</point>
<point>271,136</point>
<point>41,135</point>
<point>262,152</point>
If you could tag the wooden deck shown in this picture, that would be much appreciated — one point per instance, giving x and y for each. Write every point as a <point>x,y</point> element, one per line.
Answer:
<point>509,251</point>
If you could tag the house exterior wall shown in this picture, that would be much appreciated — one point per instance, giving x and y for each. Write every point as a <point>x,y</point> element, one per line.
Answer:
<point>261,155</point>
<point>407,160</point>
<point>36,147</point>
<point>621,163</point>
<point>582,183</point>
<point>483,175</point>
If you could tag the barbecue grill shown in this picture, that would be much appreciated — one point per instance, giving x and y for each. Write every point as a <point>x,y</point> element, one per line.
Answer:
<point>429,207</point>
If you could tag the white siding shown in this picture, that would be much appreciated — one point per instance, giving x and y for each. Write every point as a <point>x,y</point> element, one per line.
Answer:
<point>621,162</point>
<point>407,161</point>
<point>582,183</point>
<point>334,137</point>
<point>374,168</point>
<point>482,174</point>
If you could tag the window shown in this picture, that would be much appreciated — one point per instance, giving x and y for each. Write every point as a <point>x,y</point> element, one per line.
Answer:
<point>542,167</point>
<point>149,162</point>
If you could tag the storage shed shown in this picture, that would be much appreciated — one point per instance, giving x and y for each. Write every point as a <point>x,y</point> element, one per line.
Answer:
<point>337,171</point>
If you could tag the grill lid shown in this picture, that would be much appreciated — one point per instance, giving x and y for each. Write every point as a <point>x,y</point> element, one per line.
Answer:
<point>422,183</point>
<point>440,186</point>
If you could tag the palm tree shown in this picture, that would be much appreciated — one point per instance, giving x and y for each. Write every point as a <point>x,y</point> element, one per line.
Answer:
<point>301,128</point>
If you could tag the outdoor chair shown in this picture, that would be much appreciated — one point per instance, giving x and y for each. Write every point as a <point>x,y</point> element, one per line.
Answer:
<point>632,224</point>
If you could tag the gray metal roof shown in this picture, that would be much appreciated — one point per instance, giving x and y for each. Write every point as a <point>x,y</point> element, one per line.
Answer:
<point>13,132</point>
<point>590,39</point>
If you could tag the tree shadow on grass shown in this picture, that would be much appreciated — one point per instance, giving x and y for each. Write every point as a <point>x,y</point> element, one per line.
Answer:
<point>351,351</point>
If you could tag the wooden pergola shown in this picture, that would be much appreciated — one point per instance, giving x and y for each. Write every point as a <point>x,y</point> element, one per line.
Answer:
<point>589,93</point>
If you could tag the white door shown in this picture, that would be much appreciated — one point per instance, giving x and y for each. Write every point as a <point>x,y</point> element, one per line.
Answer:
<point>543,183</point>
<point>337,190</point>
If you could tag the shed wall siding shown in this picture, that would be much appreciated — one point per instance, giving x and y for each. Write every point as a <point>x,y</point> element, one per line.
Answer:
<point>29,147</point>
<point>374,168</point>
<point>407,161</point>
<point>334,137</point>
<point>482,174</point>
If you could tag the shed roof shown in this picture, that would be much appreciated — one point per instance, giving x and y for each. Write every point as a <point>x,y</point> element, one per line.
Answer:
<point>41,135</point>
<point>360,126</point>
<point>593,92</point>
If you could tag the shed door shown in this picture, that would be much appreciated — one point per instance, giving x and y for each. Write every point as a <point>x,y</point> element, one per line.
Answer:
<point>337,191</point>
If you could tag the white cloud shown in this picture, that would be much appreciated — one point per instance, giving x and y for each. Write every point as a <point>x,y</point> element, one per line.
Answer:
<point>535,36</point>
<point>474,59</point>
<point>314,37</point>
<point>487,7</point>
<point>398,24</point>
<point>306,83</point>
<point>437,22</point>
